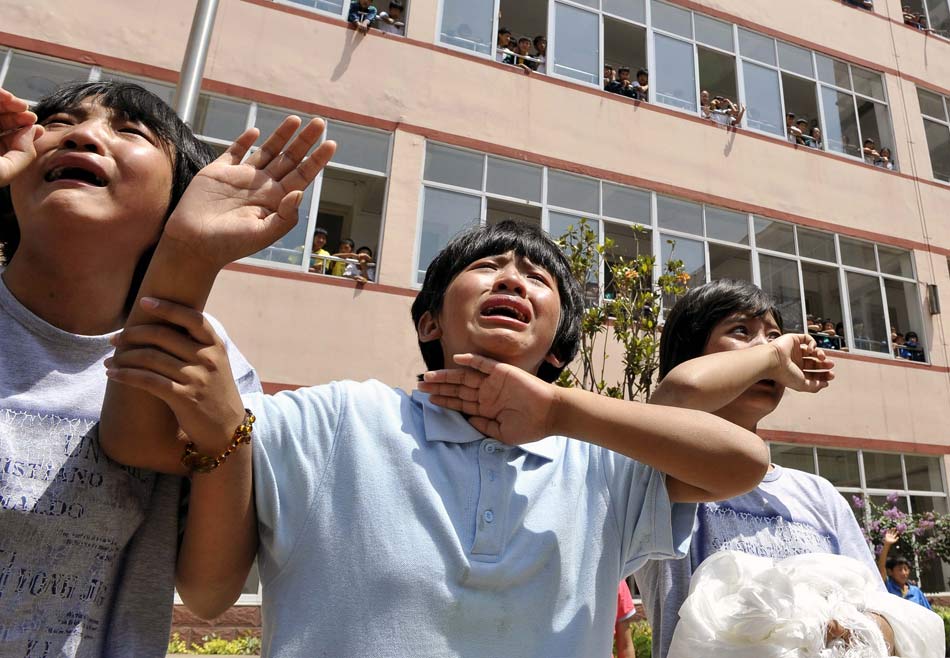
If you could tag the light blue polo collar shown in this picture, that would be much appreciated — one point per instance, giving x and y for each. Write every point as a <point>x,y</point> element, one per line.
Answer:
<point>450,426</point>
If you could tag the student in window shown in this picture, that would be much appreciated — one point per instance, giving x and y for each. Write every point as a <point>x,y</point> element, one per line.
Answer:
<point>610,80</point>
<point>641,87</point>
<point>392,21</point>
<point>364,269</point>
<point>625,86</point>
<point>87,183</point>
<point>541,53</point>
<point>344,252</point>
<point>792,131</point>
<point>816,137</point>
<point>871,154</point>
<point>522,56</point>
<point>883,159</point>
<point>362,14</point>
<point>502,52</point>
<point>723,351</point>
<point>912,345</point>
<point>318,264</point>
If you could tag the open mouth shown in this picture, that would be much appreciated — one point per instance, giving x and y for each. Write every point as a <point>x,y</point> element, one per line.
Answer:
<point>506,307</point>
<point>76,174</point>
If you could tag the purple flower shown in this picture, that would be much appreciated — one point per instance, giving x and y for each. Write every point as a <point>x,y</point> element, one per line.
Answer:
<point>892,497</point>
<point>875,526</point>
<point>900,528</point>
<point>878,549</point>
<point>858,501</point>
<point>893,514</point>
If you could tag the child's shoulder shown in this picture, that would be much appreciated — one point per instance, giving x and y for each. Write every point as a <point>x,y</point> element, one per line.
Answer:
<point>792,478</point>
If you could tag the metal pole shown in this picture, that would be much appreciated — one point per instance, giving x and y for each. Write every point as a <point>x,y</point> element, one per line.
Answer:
<point>193,66</point>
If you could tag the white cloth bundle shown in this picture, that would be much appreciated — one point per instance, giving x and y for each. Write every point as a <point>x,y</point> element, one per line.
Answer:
<point>745,606</point>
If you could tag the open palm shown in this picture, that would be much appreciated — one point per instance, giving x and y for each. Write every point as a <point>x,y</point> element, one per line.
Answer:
<point>17,133</point>
<point>233,209</point>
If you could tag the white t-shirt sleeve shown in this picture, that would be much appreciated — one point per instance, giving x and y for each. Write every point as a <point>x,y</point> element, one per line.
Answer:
<point>851,540</point>
<point>243,372</point>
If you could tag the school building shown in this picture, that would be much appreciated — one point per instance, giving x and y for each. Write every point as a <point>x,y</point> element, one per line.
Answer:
<point>436,133</point>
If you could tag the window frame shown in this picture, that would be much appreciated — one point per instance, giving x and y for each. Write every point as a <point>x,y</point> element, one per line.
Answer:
<point>940,121</point>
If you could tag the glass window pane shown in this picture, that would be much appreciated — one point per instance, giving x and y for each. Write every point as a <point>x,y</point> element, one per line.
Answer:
<point>453,167</point>
<point>468,24</point>
<point>514,179</point>
<point>577,39</point>
<point>903,310</point>
<point>675,79</point>
<point>867,313</point>
<point>795,59</point>
<point>444,214</point>
<point>798,457</point>
<point>833,71</point>
<point>840,467</point>
<point>780,279</point>
<point>691,252</point>
<point>575,192</point>
<point>713,33</point>
<point>776,236</point>
<point>933,573</point>
<point>634,10</point>
<point>939,12</point>
<point>289,249</point>
<point>895,261</point>
<point>841,128</point>
<point>814,244</point>
<point>931,104</point>
<point>729,263</point>
<point>823,305</point>
<point>220,118</point>
<point>875,125</point>
<point>923,474</point>
<point>332,6</point>
<point>764,106</point>
<point>672,19</point>
<point>628,244</point>
<point>757,47</point>
<point>679,215</point>
<point>727,225</point>
<point>32,78</point>
<point>883,471</point>
<point>268,119</point>
<point>938,142</point>
<point>164,91</point>
<point>558,226</point>
<point>858,254</point>
<point>868,83</point>
<point>627,203</point>
<point>359,147</point>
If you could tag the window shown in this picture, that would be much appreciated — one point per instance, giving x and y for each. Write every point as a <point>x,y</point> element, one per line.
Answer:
<point>577,44</point>
<point>31,77</point>
<point>469,25</point>
<point>867,291</point>
<point>934,109</point>
<point>917,479</point>
<point>526,19</point>
<point>928,15</point>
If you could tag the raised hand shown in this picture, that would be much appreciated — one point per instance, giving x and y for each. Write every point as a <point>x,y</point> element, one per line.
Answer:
<point>801,364</point>
<point>188,371</point>
<point>500,400</point>
<point>233,209</point>
<point>891,537</point>
<point>18,130</point>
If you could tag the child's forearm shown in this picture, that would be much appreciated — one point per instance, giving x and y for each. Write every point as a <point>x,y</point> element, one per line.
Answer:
<point>705,457</point>
<point>220,538</point>
<point>136,428</point>
<point>712,381</point>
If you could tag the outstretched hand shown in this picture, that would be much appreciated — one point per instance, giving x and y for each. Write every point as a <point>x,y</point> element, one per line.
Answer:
<point>801,365</point>
<point>233,209</point>
<point>500,400</point>
<point>18,130</point>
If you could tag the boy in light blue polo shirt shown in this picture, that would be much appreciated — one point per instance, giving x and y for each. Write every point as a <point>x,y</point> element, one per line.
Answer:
<point>390,526</point>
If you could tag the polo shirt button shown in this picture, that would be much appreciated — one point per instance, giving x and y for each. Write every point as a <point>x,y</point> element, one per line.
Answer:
<point>489,448</point>
<point>489,516</point>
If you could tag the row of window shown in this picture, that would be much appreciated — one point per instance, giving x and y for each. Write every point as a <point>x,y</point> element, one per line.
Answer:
<point>918,480</point>
<point>868,289</point>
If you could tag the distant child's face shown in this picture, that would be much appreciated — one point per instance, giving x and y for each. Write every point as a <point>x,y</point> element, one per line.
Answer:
<point>643,79</point>
<point>395,13</point>
<point>741,331</point>
<point>346,248</point>
<point>624,76</point>
<point>504,307</point>
<point>319,241</point>
<point>542,46</point>
<point>828,326</point>
<point>504,40</point>
<point>900,573</point>
<point>365,3</point>
<point>524,46</point>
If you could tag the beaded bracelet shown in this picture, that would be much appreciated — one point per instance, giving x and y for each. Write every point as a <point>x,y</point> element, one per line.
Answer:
<point>195,462</point>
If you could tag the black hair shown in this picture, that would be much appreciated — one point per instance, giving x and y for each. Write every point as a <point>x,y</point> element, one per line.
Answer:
<point>134,103</point>
<point>503,30</point>
<point>320,230</point>
<point>895,560</point>
<point>520,39</point>
<point>396,4</point>
<point>623,68</point>
<point>527,241</point>
<point>365,248</point>
<point>538,38</point>
<point>692,319</point>
<point>642,72</point>
<point>347,241</point>
<point>911,333</point>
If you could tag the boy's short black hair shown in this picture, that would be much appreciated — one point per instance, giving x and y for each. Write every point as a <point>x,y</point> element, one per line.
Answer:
<point>365,248</point>
<point>396,4</point>
<point>910,334</point>
<point>526,240</point>
<point>503,30</point>
<point>349,242</point>
<point>320,230</point>
<point>692,319</point>
<point>642,72</point>
<point>538,38</point>
<point>623,69</point>
<point>131,101</point>
<point>894,560</point>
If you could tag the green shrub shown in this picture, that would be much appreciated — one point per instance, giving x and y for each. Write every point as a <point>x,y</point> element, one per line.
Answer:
<point>642,639</point>
<point>212,645</point>
<point>945,616</point>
